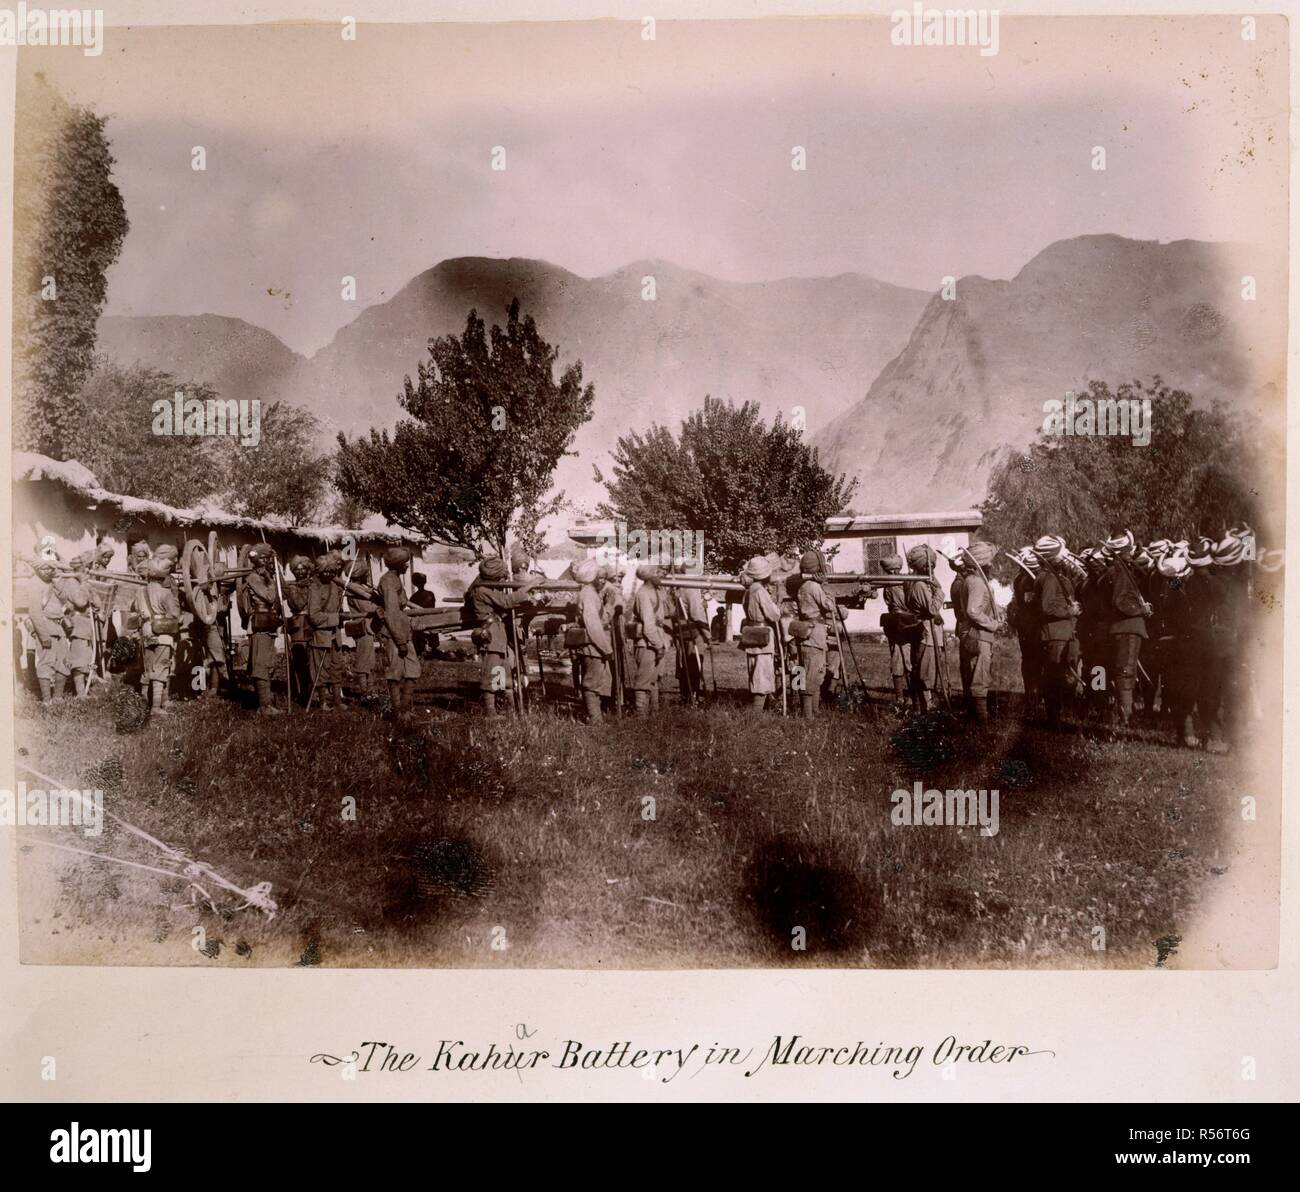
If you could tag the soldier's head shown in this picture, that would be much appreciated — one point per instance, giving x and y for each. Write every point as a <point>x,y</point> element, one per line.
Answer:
<point>518,558</point>
<point>586,571</point>
<point>159,569</point>
<point>140,550</point>
<point>104,554</point>
<point>301,566</point>
<point>649,573</point>
<point>82,561</point>
<point>45,569</point>
<point>329,564</point>
<point>419,579</point>
<point>891,564</point>
<point>1228,552</point>
<point>812,563</point>
<point>492,569</point>
<point>397,558</point>
<point>1200,553</point>
<point>262,558</point>
<point>759,568</point>
<point>921,559</point>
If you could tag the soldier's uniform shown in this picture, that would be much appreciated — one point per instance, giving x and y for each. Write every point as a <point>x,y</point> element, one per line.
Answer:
<point>1058,612</point>
<point>691,633</point>
<point>1172,631</point>
<point>260,609</point>
<point>924,600</point>
<point>78,621</point>
<point>325,617</point>
<point>895,604</point>
<point>45,623</point>
<point>1126,612</point>
<point>977,625</point>
<point>818,611</point>
<point>403,661</point>
<point>762,613</point>
<point>421,597</point>
<point>497,660</point>
<point>159,609</point>
<point>300,634</point>
<point>1221,618</point>
<point>650,643</point>
<point>1022,616</point>
<point>365,608</point>
<point>596,681</point>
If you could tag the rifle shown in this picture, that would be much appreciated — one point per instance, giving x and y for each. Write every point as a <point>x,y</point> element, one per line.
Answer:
<point>288,645</point>
<point>620,661</point>
<point>940,662</point>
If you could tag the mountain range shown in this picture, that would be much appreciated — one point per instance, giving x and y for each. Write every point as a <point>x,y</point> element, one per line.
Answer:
<point>914,394</point>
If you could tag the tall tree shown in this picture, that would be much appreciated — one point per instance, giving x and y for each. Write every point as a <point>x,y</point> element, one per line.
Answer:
<point>748,487</point>
<point>69,223</point>
<point>285,475</point>
<point>114,437</point>
<point>1199,474</point>
<point>487,423</point>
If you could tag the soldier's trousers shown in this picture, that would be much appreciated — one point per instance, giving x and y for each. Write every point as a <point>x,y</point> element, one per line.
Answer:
<point>326,666</point>
<point>1031,670</point>
<point>261,655</point>
<point>495,671</point>
<point>52,660</point>
<point>1215,693</point>
<point>1125,648</point>
<point>645,668</point>
<point>691,679</point>
<point>300,664</point>
<point>976,666</point>
<point>813,660</point>
<point>925,666</point>
<point>596,679</point>
<point>762,673</point>
<point>1059,658</point>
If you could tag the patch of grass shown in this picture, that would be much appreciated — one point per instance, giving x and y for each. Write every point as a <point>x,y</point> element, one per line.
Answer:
<point>705,837</point>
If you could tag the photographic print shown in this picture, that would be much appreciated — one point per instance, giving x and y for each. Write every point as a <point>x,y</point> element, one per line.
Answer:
<point>650,494</point>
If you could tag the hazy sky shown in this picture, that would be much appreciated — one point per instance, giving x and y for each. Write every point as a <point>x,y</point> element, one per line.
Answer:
<point>372,158</point>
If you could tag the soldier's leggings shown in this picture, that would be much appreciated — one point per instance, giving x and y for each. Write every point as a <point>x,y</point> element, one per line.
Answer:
<point>1059,658</point>
<point>813,661</point>
<point>1124,661</point>
<point>1031,670</point>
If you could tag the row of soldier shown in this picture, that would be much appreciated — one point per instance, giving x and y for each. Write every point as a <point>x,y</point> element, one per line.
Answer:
<point>1075,617</point>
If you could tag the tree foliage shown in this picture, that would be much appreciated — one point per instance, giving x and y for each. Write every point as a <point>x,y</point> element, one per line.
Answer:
<point>748,487</point>
<point>114,438</point>
<point>69,223</point>
<point>472,463</point>
<point>285,475</point>
<point>1200,474</point>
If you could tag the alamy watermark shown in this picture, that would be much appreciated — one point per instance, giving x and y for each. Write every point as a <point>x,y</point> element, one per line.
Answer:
<point>946,27</point>
<point>23,26</point>
<point>38,808</point>
<point>215,416</point>
<point>1123,417</point>
<point>662,548</point>
<point>920,808</point>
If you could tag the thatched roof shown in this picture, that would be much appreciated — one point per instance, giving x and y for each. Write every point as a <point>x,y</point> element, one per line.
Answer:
<point>78,479</point>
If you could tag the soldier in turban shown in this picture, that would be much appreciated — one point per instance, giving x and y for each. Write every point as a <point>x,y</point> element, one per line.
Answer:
<point>1126,609</point>
<point>325,620</point>
<point>1058,612</point>
<point>599,647</point>
<point>924,600</point>
<point>159,609</point>
<point>497,658</point>
<point>650,643</point>
<point>261,610</point>
<point>978,622</point>
<point>762,618</point>
<point>403,661</point>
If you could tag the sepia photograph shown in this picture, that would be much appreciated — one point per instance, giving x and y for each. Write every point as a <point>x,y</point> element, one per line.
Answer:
<point>649,494</point>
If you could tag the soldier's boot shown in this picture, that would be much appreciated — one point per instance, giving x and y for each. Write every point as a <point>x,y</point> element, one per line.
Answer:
<point>394,696</point>
<point>900,689</point>
<point>808,705</point>
<point>79,684</point>
<point>47,690</point>
<point>408,696</point>
<point>653,693</point>
<point>1190,739</point>
<point>1125,706</point>
<point>980,709</point>
<point>641,703</point>
<point>758,702</point>
<point>338,695</point>
<point>265,704</point>
<point>591,703</point>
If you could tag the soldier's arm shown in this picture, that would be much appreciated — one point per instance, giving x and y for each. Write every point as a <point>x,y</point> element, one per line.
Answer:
<point>981,610</point>
<point>597,634</point>
<point>647,608</point>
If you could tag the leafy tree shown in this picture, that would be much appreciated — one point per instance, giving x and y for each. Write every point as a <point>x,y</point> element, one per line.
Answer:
<point>1200,474</point>
<point>285,474</point>
<point>748,487</point>
<point>69,223</point>
<point>487,423</point>
<point>114,438</point>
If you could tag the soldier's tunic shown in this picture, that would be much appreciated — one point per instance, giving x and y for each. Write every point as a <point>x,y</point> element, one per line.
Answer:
<point>497,661</point>
<point>325,618</point>
<point>595,654</point>
<point>262,612</point>
<point>1056,610</point>
<point>1094,643</point>
<point>78,622</point>
<point>760,608</point>
<point>977,625</point>
<point>45,620</point>
<point>403,661</point>
<point>1022,616</point>
<point>154,602</point>
<point>361,628</point>
<point>650,641</point>
<point>817,608</point>
<point>925,601</point>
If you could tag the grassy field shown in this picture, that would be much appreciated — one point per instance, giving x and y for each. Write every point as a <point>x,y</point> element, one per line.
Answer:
<point>449,842</point>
